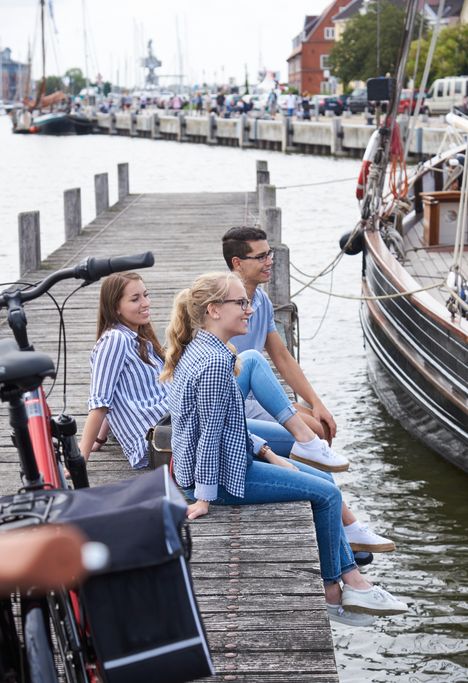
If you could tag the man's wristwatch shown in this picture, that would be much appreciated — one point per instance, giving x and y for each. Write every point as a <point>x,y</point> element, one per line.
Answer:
<point>263,450</point>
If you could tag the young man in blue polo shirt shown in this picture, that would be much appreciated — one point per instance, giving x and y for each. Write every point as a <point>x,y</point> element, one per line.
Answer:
<point>247,252</point>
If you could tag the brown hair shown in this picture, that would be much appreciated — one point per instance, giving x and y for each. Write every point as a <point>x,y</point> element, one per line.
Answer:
<point>112,290</point>
<point>188,315</point>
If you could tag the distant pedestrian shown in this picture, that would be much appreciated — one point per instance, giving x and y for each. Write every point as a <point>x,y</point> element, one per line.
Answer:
<point>272,103</point>
<point>291,104</point>
<point>220,102</point>
<point>305,106</point>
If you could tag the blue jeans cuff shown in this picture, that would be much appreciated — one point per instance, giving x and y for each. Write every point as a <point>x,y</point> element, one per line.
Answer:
<point>286,414</point>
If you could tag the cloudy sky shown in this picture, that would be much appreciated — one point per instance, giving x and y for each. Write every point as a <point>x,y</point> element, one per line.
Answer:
<point>203,39</point>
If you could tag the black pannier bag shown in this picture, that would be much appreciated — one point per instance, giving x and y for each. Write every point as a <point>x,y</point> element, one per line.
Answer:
<point>142,612</point>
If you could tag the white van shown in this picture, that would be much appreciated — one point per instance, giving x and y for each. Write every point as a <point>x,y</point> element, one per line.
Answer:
<point>446,93</point>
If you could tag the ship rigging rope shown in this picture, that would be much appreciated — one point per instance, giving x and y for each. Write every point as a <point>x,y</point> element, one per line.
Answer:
<point>376,297</point>
<point>320,182</point>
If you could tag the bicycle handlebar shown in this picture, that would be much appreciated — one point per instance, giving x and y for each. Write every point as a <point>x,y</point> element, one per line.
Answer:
<point>90,270</point>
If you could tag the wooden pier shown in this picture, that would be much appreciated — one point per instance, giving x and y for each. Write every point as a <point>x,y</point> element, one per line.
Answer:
<point>255,568</point>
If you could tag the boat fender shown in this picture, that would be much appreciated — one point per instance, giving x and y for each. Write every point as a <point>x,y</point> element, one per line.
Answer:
<point>354,246</point>
<point>33,129</point>
<point>367,159</point>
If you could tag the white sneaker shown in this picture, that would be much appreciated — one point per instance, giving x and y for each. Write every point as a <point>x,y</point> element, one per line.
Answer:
<point>374,600</point>
<point>317,453</point>
<point>360,537</point>
<point>342,616</point>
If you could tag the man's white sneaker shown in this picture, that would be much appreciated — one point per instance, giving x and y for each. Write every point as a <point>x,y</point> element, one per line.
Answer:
<point>374,600</point>
<point>360,537</point>
<point>317,453</point>
<point>342,616</point>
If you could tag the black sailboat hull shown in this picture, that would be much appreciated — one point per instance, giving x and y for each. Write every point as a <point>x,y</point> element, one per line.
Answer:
<point>62,124</point>
<point>418,362</point>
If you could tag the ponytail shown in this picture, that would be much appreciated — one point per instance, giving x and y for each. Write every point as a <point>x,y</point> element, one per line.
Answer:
<point>178,334</point>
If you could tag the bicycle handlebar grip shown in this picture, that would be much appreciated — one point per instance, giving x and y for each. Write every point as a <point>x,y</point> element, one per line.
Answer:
<point>93,269</point>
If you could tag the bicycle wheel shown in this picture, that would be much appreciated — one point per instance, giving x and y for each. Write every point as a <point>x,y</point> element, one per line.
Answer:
<point>38,648</point>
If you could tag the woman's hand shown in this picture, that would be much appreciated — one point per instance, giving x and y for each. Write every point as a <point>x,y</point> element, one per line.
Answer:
<point>275,459</point>
<point>198,509</point>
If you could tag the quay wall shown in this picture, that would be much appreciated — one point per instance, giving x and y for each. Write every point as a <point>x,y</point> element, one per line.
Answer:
<point>329,136</point>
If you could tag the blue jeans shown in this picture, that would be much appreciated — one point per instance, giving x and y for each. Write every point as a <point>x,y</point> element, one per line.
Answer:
<point>257,377</point>
<point>266,483</point>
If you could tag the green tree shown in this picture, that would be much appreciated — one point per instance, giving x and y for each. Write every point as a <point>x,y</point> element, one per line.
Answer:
<point>52,84</point>
<point>450,55</point>
<point>356,55</point>
<point>76,80</point>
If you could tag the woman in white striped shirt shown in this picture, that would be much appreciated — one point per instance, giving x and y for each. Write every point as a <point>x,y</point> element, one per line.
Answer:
<point>125,366</point>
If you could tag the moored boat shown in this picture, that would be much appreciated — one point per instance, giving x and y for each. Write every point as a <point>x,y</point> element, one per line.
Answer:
<point>414,313</point>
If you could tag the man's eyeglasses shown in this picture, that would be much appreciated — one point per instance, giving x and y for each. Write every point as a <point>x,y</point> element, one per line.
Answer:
<point>261,257</point>
<point>243,303</point>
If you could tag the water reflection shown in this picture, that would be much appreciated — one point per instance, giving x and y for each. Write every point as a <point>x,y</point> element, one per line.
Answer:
<point>404,490</point>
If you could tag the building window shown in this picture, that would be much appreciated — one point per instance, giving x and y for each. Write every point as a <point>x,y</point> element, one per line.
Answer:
<point>324,62</point>
<point>329,33</point>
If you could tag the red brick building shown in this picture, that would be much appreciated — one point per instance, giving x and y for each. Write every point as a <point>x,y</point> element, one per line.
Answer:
<point>308,61</point>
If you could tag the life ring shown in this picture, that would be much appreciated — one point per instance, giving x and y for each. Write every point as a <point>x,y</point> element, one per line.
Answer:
<point>367,159</point>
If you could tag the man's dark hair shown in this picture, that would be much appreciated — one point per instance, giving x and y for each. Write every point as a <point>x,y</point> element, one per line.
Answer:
<point>235,242</point>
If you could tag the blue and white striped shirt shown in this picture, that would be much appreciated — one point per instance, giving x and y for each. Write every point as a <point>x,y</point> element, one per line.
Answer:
<point>130,388</point>
<point>210,442</point>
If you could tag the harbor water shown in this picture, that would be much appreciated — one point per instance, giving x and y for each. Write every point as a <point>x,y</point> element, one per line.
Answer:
<point>399,487</point>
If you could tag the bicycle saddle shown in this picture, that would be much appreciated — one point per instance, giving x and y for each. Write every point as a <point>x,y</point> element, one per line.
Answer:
<point>23,369</point>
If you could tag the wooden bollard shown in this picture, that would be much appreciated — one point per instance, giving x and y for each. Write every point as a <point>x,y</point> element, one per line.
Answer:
<point>181,127</point>
<point>72,212</point>
<point>101,191</point>
<point>286,138</point>
<point>29,237</point>
<point>270,222</point>
<point>133,124</point>
<point>279,291</point>
<point>155,126</point>
<point>266,196</point>
<point>123,181</point>
<point>211,133</point>
<point>263,174</point>
<point>243,128</point>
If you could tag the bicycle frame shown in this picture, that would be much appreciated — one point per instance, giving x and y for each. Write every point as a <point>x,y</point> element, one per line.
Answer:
<point>39,415</point>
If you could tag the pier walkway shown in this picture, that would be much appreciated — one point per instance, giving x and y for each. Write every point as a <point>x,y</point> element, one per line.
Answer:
<point>255,568</point>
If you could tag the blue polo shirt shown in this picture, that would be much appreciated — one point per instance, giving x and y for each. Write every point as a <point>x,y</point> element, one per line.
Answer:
<point>261,323</point>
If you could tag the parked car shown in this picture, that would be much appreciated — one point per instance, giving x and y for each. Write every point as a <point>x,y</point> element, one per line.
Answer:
<point>358,102</point>
<point>323,103</point>
<point>408,100</point>
<point>446,94</point>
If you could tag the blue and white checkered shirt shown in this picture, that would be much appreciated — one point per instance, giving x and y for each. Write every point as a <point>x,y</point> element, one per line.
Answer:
<point>210,442</point>
<point>130,388</point>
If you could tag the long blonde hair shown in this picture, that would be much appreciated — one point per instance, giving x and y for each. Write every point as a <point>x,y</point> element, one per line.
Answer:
<point>112,290</point>
<point>189,315</point>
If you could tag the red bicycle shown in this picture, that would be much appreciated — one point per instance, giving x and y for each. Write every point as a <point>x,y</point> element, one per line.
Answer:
<point>43,639</point>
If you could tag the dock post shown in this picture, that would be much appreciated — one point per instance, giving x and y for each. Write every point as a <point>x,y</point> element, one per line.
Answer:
<point>112,123</point>
<point>29,238</point>
<point>101,191</point>
<point>155,126</point>
<point>72,212</point>
<point>286,139</point>
<point>266,197</point>
<point>243,131</point>
<point>279,291</point>
<point>270,222</point>
<point>181,128</point>
<point>211,134</point>
<point>337,136</point>
<point>123,181</point>
<point>133,124</point>
<point>263,174</point>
